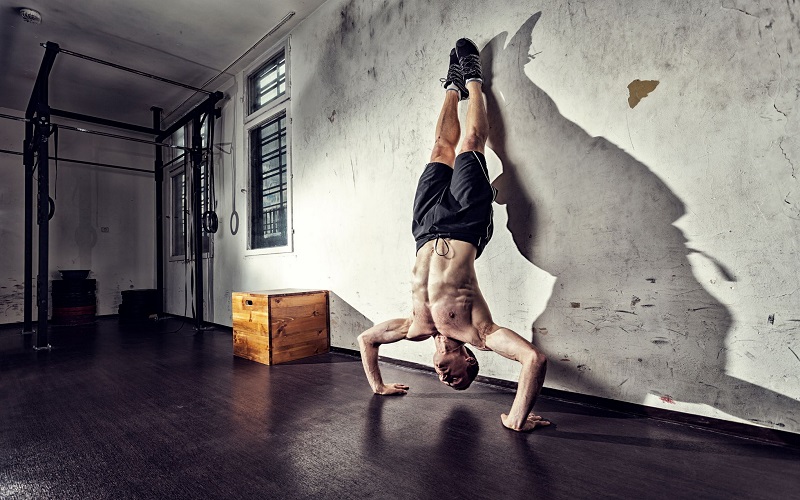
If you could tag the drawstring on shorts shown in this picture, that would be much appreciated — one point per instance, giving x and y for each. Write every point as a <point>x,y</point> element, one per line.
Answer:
<point>436,246</point>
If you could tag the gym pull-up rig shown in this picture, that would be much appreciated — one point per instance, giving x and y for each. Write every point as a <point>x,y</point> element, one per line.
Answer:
<point>36,154</point>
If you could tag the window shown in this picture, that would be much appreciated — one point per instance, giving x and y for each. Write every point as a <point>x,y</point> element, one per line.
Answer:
<point>267,83</point>
<point>267,127</point>
<point>178,220</point>
<point>180,201</point>
<point>269,186</point>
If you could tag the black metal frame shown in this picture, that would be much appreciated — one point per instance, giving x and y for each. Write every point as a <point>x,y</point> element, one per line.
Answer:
<point>36,156</point>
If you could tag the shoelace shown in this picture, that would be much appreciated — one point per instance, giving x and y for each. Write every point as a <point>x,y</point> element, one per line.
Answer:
<point>471,65</point>
<point>454,75</point>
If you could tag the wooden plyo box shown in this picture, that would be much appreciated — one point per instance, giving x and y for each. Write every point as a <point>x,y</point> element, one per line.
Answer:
<point>276,326</point>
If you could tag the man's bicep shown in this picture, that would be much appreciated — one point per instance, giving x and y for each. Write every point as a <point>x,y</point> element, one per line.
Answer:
<point>509,344</point>
<point>386,332</point>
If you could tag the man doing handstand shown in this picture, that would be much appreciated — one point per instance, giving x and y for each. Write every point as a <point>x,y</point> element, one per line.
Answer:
<point>452,225</point>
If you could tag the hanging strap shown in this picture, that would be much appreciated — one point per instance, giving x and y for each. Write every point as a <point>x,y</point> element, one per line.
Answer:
<point>54,133</point>
<point>212,189</point>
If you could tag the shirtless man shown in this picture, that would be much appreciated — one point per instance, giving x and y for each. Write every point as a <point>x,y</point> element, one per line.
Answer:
<point>452,225</point>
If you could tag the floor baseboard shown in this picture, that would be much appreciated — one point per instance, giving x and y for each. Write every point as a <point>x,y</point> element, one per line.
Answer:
<point>747,431</point>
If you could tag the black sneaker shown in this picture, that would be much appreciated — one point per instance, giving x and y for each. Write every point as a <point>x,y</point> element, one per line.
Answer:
<point>470,59</point>
<point>455,77</point>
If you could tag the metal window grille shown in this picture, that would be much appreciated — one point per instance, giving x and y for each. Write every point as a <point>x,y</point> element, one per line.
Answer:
<point>180,202</point>
<point>205,202</point>
<point>269,223</point>
<point>203,182</point>
<point>178,214</point>
<point>268,82</point>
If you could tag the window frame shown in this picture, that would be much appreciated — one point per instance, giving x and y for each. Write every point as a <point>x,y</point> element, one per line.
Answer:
<point>174,172</point>
<point>261,113</point>
<point>182,167</point>
<point>262,63</point>
<point>270,111</point>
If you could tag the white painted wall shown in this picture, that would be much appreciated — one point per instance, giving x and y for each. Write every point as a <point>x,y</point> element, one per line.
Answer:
<point>643,249</point>
<point>87,199</point>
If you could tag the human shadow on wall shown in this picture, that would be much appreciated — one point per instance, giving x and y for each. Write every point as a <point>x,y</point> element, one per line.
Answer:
<point>626,317</point>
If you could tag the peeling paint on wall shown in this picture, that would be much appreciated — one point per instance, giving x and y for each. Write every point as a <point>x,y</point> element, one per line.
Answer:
<point>639,89</point>
<point>11,298</point>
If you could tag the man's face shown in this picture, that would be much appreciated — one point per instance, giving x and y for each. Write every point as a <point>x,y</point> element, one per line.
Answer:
<point>452,368</point>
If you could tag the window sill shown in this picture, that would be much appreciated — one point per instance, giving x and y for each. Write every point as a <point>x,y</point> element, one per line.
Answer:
<point>257,252</point>
<point>180,258</point>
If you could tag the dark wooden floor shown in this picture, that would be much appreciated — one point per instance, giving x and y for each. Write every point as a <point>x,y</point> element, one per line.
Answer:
<point>138,412</point>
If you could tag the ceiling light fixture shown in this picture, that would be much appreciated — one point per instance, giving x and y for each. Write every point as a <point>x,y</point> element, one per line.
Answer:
<point>30,15</point>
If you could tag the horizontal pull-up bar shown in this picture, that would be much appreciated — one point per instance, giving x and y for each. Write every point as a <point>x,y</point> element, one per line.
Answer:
<point>95,132</point>
<point>129,70</point>
<point>104,121</point>
<point>123,137</point>
<point>17,118</point>
<point>82,162</point>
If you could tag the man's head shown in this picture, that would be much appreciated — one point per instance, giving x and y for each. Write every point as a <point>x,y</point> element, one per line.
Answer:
<point>456,368</point>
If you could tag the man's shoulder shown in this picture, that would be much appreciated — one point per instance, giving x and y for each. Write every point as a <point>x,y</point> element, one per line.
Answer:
<point>421,327</point>
<point>418,336</point>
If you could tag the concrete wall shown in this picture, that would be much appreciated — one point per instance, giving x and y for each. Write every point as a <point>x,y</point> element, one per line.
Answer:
<point>650,250</point>
<point>88,198</point>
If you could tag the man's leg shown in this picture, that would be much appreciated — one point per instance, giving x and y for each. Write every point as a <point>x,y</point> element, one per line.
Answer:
<point>435,178</point>
<point>448,130</point>
<point>477,126</point>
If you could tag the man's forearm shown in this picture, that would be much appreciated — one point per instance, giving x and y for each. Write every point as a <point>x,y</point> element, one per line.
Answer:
<point>530,383</point>
<point>369,342</point>
<point>369,359</point>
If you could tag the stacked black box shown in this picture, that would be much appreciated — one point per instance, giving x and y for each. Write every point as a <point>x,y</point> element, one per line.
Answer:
<point>74,301</point>
<point>138,305</point>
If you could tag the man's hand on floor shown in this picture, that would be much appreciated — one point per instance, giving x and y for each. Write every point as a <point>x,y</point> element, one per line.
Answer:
<point>392,390</point>
<point>530,423</point>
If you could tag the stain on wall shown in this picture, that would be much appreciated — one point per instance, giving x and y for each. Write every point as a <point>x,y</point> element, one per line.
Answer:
<point>11,298</point>
<point>638,90</point>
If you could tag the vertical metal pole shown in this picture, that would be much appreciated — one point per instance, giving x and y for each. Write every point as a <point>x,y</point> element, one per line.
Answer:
<point>27,162</point>
<point>159,169</point>
<point>42,280</point>
<point>42,129</point>
<point>37,107</point>
<point>197,160</point>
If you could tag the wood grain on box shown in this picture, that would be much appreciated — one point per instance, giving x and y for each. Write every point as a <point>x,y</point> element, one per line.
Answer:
<point>276,326</point>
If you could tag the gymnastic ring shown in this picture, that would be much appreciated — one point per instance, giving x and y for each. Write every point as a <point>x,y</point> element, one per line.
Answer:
<point>210,222</point>
<point>52,208</point>
<point>235,215</point>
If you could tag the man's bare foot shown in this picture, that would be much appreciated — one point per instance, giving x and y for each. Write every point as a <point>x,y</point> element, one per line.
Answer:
<point>530,423</point>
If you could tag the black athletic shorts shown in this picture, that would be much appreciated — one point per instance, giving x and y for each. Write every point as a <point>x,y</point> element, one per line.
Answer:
<point>454,202</point>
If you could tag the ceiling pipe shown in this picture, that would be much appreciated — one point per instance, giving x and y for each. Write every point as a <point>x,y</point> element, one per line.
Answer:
<point>248,51</point>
